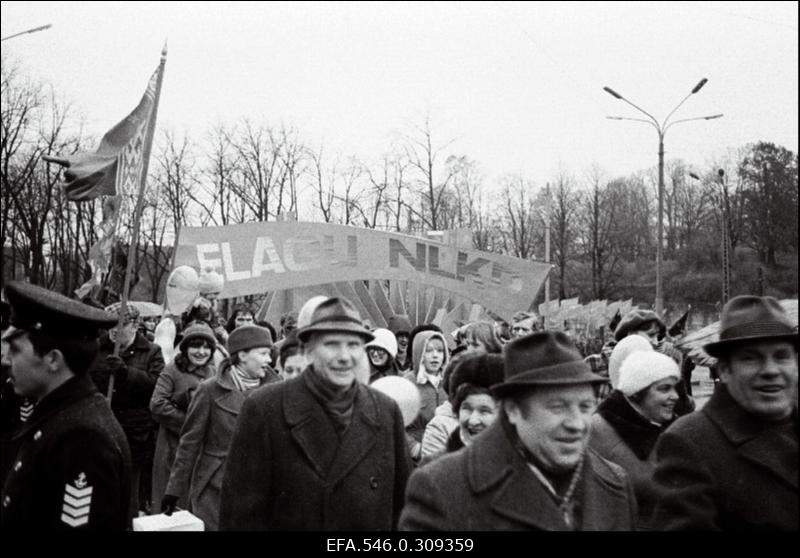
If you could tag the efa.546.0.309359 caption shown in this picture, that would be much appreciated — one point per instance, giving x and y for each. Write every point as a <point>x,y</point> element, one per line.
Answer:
<point>410,544</point>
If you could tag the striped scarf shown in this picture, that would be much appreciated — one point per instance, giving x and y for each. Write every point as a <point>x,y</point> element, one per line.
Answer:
<point>242,381</point>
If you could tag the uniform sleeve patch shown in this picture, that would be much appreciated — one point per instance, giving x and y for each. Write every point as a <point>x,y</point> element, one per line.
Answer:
<point>77,502</point>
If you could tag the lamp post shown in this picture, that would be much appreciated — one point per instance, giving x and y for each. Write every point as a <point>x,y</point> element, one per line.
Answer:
<point>662,130</point>
<point>34,30</point>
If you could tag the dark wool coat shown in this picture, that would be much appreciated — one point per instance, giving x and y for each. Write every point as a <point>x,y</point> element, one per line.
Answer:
<point>169,404</point>
<point>489,486</point>
<point>721,468</point>
<point>205,437</point>
<point>131,399</point>
<point>287,470</point>
<point>73,467</point>
<point>625,437</point>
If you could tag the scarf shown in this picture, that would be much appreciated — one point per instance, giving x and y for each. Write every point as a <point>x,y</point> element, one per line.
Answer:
<point>337,402</point>
<point>564,488</point>
<point>638,433</point>
<point>242,381</point>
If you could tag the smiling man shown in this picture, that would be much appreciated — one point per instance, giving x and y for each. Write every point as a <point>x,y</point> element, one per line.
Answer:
<point>532,468</point>
<point>321,451</point>
<point>733,465</point>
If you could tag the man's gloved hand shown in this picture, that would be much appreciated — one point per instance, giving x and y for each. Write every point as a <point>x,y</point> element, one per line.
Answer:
<point>116,367</point>
<point>168,504</point>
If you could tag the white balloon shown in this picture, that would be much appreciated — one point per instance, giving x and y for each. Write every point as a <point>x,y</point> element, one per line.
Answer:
<point>182,289</point>
<point>164,337</point>
<point>404,392</point>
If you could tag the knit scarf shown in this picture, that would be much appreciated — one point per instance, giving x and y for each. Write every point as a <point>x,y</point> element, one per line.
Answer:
<point>242,381</point>
<point>337,402</point>
<point>638,433</point>
<point>565,488</point>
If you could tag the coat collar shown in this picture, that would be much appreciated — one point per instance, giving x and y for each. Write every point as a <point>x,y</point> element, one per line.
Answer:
<point>314,432</point>
<point>74,389</point>
<point>520,496</point>
<point>757,441</point>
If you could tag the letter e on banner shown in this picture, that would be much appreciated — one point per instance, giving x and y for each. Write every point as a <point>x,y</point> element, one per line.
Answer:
<point>203,260</point>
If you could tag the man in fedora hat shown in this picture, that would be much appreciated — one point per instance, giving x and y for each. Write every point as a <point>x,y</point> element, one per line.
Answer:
<point>72,468</point>
<point>733,465</point>
<point>321,451</point>
<point>532,468</point>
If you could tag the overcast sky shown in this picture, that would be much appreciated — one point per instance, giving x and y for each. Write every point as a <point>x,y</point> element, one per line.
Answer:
<point>519,85</point>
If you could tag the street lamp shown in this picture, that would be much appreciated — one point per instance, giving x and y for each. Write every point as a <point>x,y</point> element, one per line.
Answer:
<point>34,30</point>
<point>662,130</point>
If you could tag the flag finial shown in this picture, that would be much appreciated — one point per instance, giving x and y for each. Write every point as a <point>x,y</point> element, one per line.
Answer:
<point>164,51</point>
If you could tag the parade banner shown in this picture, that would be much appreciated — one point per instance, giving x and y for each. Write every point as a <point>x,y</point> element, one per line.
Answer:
<point>258,257</point>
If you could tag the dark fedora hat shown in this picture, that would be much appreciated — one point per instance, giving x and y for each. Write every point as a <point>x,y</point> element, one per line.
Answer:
<point>335,315</point>
<point>544,358</point>
<point>749,318</point>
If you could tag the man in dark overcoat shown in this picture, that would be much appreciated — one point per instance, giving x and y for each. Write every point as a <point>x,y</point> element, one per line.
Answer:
<point>732,465</point>
<point>135,372</point>
<point>532,469</point>
<point>320,451</point>
<point>72,470</point>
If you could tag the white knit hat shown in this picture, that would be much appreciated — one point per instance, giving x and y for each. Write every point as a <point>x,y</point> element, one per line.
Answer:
<point>384,339</point>
<point>210,282</point>
<point>642,369</point>
<point>623,349</point>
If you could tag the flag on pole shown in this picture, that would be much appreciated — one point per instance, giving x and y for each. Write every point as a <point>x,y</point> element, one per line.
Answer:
<point>679,327</point>
<point>116,166</point>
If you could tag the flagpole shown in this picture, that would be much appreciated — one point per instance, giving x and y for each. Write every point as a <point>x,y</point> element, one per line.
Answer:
<point>138,211</point>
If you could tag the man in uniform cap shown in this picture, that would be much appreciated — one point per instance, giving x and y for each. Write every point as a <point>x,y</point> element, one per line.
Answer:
<point>732,465</point>
<point>72,470</point>
<point>532,468</point>
<point>321,451</point>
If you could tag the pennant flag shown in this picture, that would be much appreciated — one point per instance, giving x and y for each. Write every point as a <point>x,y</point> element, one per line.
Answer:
<point>679,327</point>
<point>100,252</point>
<point>612,325</point>
<point>116,166</point>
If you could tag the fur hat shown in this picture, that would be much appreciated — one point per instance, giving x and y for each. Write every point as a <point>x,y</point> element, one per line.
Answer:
<point>642,369</point>
<point>248,337</point>
<point>634,320</point>
<point>384,339</point>
<point>621,351</point>
<point>210,282</point>
<point>477,369</point>
<point>198,330</point>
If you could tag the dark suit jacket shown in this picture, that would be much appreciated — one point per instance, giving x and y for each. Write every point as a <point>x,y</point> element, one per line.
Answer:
<point>489,486</point>
<point>287,469</point>
<point>720,468</point>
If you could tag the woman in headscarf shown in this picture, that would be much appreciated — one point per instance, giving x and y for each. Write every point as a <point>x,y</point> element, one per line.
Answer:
<point>630,420</point>
<point>172,394</point>
<point>199,461</point>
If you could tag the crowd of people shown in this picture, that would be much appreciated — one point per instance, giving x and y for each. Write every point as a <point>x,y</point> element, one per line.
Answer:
<point>255,427</point>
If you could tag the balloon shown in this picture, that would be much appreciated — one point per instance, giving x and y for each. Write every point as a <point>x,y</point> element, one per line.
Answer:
<point>164,337</point>
<point>304,317</point>
<point>182,289</point>
<point>404,392</point>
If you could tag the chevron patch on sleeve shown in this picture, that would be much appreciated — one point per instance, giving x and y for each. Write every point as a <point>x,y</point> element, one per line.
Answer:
<point>77,502</point>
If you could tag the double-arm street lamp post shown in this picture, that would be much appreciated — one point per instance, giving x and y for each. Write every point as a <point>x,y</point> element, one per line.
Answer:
<point>661,128</point>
